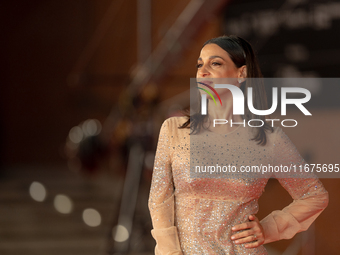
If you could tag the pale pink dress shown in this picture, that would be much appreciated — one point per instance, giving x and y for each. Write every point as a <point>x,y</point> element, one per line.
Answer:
<point>195,215</point>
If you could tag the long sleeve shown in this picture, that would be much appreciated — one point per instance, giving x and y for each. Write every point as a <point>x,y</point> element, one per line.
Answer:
<point>309,195</point>
<point>161,199</point>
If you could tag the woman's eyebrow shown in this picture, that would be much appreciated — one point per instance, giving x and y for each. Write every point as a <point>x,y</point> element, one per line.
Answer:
<point>211,57</point>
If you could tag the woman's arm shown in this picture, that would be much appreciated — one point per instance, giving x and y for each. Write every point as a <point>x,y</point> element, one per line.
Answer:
<point>161,199</point>
<point>310,197</point>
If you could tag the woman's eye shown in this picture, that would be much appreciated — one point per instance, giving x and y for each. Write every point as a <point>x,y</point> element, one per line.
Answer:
<point>199,65</point>
<point>216,64</point>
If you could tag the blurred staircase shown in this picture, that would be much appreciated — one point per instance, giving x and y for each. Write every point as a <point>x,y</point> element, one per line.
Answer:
<point>37,228</point>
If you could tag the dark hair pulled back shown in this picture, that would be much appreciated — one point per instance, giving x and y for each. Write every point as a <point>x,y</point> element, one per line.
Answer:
<point>241,53</point>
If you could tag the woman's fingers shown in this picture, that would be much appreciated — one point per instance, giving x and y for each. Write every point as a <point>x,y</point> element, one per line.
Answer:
<point>243,234</point>
<point>250,241</point>
<point>254,244</point>
<point>246,238</point>
<point>253,234</point>
<point>243,226</point>
<point>252,217</point>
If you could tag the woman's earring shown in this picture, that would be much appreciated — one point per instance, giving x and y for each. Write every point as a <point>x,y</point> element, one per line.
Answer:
<point>239,80</point>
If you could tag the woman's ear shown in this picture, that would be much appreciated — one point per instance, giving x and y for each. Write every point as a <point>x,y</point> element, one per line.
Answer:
<point>244,71</point>
<point>242,75</point>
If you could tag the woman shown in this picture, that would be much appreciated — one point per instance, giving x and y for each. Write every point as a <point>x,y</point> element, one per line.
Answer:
<point>195,215</point>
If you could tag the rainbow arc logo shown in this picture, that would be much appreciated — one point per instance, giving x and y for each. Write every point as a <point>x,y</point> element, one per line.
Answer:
<point>209,93</point>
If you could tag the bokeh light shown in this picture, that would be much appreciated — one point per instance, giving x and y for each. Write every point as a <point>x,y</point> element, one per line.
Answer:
<point>91,127</point>
<point>63,204</point>
<point>37,191</point>
<point>76,134</point>
<point>120,233</point>
<point>92,217</point>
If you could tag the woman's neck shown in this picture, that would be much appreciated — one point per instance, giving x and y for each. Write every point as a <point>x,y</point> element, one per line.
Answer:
<point>224,113</point>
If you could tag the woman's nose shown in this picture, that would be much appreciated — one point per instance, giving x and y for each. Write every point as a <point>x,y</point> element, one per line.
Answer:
<point>203,72</point>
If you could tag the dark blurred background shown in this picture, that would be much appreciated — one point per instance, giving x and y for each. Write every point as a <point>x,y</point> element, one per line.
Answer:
<point>85,86</point>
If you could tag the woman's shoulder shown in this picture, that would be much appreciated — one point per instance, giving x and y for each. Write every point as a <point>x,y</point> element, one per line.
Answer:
<point>280,140</point>
<point>171,126</point>
<point>175,122</point>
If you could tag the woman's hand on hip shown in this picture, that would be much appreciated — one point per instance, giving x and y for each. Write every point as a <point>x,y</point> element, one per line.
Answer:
<point>252,233</point>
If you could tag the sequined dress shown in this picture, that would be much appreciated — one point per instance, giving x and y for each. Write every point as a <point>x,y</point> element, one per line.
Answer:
<point>195,215</point>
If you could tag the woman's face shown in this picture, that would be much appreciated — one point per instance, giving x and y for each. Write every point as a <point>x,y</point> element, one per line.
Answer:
<point>214,62</point>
